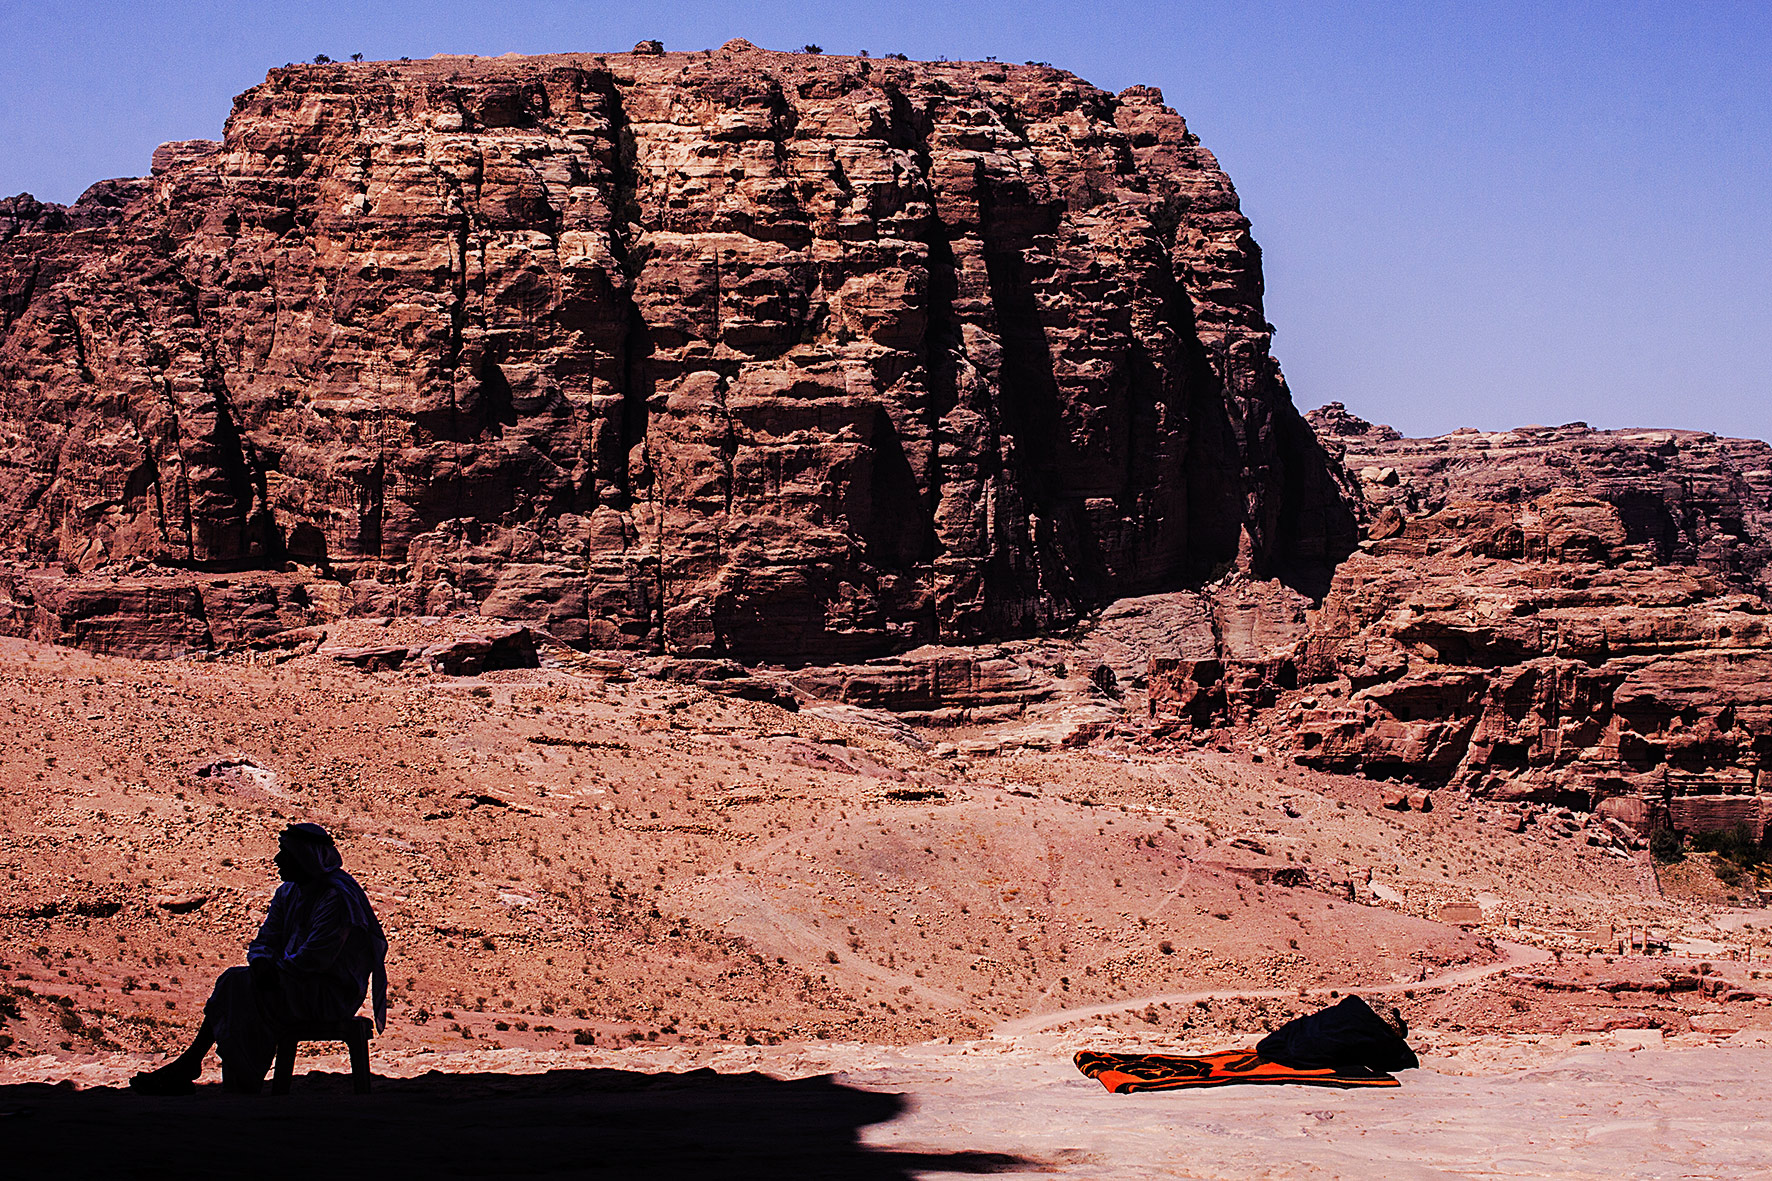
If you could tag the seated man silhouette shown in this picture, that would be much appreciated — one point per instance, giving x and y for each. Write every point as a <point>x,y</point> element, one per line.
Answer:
<point>312,960</point>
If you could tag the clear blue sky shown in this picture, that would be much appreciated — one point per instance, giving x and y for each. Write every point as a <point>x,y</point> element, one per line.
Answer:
<point>1480,214</point>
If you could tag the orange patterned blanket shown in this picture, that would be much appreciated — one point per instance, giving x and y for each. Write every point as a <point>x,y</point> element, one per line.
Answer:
<point>1125,1073</point>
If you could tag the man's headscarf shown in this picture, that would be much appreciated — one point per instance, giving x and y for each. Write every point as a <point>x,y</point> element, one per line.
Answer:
<point>317,858</point>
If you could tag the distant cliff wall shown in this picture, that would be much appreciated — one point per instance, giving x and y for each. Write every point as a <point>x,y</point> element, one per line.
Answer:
<point>787,357</point>
<point>1556,613</point>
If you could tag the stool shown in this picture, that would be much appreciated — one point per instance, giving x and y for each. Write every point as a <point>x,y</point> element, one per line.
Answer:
<point>352,1031</point>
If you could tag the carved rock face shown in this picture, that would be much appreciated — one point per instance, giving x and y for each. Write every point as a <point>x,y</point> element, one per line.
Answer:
<point>1561,614</point>
<point>780,356</point>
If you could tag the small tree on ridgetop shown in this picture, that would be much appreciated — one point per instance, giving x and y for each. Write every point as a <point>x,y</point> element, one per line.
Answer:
<point>811,49</point>
<point>321,59</point>
<point>356,57</point>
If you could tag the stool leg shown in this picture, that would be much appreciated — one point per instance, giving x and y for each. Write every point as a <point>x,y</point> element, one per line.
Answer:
<point>359,1063</point>
<point>285,1069</point>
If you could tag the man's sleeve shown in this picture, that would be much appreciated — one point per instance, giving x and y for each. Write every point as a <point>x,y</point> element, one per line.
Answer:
<point>273,932</point>
<point>328,928</point>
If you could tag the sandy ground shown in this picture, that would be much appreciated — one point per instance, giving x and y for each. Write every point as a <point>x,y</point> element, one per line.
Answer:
<point>1653,1113</point>
<point>639,929</point>
<point>1625,1106</point>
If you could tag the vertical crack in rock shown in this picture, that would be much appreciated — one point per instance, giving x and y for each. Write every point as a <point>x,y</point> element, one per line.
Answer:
<point>634,462</point>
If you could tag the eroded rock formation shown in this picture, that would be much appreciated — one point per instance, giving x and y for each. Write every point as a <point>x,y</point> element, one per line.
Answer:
<point>786,357</point>
<point>1556,613</point>
<point>1686,498</point>
<point>833,362</point>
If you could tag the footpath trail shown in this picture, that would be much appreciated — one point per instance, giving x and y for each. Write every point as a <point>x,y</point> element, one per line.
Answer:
<point>1517,956</point>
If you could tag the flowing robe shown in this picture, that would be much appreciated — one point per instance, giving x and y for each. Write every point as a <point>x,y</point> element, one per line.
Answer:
<point>321,963</point>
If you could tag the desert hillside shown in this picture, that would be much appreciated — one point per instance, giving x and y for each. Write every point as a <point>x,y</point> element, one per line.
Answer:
<point>573,856</point>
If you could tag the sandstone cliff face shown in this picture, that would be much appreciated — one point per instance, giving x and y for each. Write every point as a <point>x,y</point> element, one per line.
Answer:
<point>779,356</point>
<point>1682,497</point>
<point>1556,613</point>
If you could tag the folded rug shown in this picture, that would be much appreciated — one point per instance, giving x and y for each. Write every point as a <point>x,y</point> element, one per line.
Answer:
<point>1125,1073</point>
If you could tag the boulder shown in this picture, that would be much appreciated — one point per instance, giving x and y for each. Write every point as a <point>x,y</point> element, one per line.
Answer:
<point>493,648</point>
<point>369,657</point>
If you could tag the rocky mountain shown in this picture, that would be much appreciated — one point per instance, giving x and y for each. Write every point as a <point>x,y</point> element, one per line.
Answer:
<point>784,357</point>
<point>1562,614</point>
<point>1682,497</point>
<point>945,385</point>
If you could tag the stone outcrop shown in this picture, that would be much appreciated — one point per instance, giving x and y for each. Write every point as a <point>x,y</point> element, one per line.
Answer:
<point>498,647</point>
<point>780,357</point>
<point>1686,497</point>
<point>940,686</point>
<point>1079,683</point>
<point>1476,654</point>
<point>726,678</point>
<point>157,614</point>
<point>1551,613</point>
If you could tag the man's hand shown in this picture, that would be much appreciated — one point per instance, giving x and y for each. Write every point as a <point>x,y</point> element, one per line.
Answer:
<point>264,972</point>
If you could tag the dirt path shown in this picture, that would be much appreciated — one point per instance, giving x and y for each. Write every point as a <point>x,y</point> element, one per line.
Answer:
<point>1517,956</point>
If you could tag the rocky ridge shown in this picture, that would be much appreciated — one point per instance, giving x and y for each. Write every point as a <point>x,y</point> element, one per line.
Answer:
<point>1564,616</point>
<point>1559,614</point>
<point>736,353</point>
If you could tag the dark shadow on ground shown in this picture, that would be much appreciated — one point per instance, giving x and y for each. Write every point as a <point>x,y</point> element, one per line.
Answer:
<point>565,1123</point>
